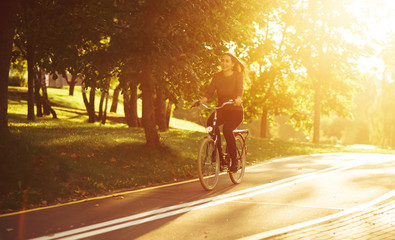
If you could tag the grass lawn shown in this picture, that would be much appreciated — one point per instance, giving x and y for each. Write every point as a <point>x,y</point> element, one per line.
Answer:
<point>53,161</point>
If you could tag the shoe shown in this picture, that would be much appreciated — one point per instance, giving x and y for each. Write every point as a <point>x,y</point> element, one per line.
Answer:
<point>234,168</point>
<point>223,162</point>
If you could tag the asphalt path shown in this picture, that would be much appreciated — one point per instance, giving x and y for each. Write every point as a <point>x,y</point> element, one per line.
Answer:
<point>275,197</point>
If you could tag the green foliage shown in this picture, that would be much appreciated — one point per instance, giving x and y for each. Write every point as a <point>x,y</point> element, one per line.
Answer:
<point>383,115</point>
<point>16,81</point>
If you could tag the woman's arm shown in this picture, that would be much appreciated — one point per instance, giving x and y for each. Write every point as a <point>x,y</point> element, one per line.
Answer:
<point>239,90</point>
<point>210,90</point>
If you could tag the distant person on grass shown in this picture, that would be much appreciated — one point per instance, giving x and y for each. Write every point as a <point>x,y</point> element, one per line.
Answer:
<point>229,86</point>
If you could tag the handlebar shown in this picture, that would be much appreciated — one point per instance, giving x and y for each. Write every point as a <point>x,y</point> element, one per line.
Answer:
<point>218,107</point>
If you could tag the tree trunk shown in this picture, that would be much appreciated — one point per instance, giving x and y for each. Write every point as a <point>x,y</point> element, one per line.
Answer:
<point>72,84</point>
<point>133,106</point>
<point>160,111</point>
<point>101,103</point>
<point>46,104</point>
<point>130,107</point>
<point>317,114</point>
<point>37,95</point>
<point>127,110</point>
<point>264,123</point>
<point>91,110</point>
<point>148,121</point>
<point>168,113</point>
<point>115,96</point>
<point>84,98</point>
<point>151,133</point>
<point>30,83</point>
<point>103,121</point>
<point>71,89</point>
<point>45,101</point>
<point>89,104</point>
<point>133,120</point>
<point>7,25</point>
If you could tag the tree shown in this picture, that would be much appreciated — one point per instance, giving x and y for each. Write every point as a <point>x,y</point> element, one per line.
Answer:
<point>7,24</point>
<point>66,36</point>
<point>33,38</point>
<point>273,85</point>
<point>176,46</point>
<point>327,56</point>
<point>383,115</point>
<point>147,86</point>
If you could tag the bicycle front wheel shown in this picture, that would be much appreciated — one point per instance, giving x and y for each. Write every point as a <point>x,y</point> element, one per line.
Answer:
<point>241,158</point>
<point>208,164</point>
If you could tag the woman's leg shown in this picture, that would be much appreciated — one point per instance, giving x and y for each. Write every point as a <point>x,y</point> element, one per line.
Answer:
<point>232,120</point>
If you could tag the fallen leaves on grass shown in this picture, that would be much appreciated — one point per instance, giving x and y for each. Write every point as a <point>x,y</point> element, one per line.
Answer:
<point>73,155</point>
<point>80,192</point>
<point>101,185</point>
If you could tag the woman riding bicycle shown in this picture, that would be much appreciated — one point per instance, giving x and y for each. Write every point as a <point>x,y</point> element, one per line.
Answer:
<point>229,86</point>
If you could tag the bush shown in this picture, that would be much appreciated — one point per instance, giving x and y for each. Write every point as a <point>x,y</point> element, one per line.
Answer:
<point>16,81</point>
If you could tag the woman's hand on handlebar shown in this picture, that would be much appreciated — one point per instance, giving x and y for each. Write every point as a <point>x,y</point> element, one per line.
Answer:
<point>238,101</point>
<point>197,103</point>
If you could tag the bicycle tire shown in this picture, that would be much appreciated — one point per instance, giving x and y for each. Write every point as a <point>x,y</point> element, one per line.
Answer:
<point>208,164</point>
<point>241,157</point>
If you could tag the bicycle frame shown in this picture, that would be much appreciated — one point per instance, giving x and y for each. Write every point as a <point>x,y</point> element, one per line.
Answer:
<point>211,129</point>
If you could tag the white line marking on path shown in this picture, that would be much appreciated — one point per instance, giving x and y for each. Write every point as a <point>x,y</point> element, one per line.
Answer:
<point>287,204</point>
<point>297,226</point>
<point>149,216</point>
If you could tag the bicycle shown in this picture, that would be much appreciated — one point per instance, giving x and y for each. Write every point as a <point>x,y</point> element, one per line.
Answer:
<point>208,163</point>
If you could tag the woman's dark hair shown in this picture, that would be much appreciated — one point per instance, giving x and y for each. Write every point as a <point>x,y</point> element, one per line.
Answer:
<point>239,65</point>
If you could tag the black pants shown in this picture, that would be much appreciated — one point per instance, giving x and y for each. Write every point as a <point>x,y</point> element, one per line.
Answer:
<point>231,119</point>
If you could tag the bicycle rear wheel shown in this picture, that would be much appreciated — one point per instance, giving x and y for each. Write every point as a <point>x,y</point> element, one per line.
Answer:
<point>208,164</point>
<point>241,158</point>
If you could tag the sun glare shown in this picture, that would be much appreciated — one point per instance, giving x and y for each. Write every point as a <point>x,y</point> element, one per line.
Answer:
<point>377,16</point>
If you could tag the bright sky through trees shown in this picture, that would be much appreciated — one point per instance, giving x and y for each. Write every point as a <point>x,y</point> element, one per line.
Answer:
<point>378,17</point>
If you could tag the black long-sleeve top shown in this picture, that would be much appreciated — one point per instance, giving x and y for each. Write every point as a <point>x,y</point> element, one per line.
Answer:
<point>227,87</point>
